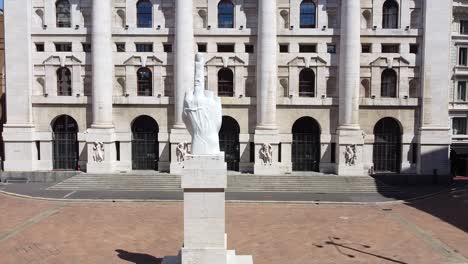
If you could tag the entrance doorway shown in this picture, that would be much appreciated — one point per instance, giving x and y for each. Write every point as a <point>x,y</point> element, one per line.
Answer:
<point>65,143</point>
<point>229,142</point>
<point>387,146</point>
<point>145,145</point>
<point>306,145</point>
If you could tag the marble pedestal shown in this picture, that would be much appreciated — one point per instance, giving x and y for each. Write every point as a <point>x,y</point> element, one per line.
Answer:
<point>345,138</point>
<point>204,181</point>
<point>107,137</point>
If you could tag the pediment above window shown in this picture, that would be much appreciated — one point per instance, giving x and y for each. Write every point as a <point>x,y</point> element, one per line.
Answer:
<point>390,62</point>
<point>307,62</point>
<point>143,61</point>
<point>62,61</point>
<point>225,61</point>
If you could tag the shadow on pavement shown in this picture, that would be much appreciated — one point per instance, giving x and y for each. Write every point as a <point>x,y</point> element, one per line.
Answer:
<point>138,258</point>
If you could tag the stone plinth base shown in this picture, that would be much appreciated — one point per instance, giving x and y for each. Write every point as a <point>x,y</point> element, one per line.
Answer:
<point>106,136</point>
<point>349,137</point>
<point>204,180</point>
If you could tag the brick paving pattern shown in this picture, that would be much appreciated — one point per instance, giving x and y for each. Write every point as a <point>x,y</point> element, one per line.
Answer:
<point>428,231</point>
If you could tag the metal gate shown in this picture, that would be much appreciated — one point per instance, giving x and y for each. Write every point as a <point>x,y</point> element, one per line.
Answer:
<point>229,142</point>
<point>65,143</point>
<point>65,151</point>
<point>387,146</point>
<point>306,145</point>
<point>145,149</point>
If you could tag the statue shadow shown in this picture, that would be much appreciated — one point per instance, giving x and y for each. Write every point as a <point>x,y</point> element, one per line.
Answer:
<point>138,258</point>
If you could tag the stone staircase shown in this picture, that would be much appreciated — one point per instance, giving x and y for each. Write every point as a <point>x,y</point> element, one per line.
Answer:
<point>236,183</point>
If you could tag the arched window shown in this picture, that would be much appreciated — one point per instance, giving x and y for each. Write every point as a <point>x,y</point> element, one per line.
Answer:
<point>389,83</point>
<point>390,14</point>
<point>225,82</point>
<point>144,14</point>
<point>225,14</point>
<point>307,83</point>
<point>64,82</point>
<point>62,12</point>
<point>145,82</point>
<point>308,14</point>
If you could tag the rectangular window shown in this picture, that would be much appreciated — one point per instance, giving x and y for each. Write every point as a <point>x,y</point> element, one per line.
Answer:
<point>63,47</point>
<point>462,56</point>
<point>279,152</point>
<point>390,48</point>
<point>414,48</point>
<point>366,48</point>
<point>252,152</point>
<point>284,48</point>
<point>144,47</point>
<point>225,47</point>
<point>202,47</point>
<point>249,48</point>
<point>461,91</point>
<point>120,47</point>
<point>331,48</point>
<point>40,47</point>
<point>464,27</point>
<point>414,153</point>
<point>308,48</point>
<point>117,150</point>
<point>333,153</point>
<point>38,149</point>
<point>167,48</point>
<point>459,125</point>
<point>86,47</point>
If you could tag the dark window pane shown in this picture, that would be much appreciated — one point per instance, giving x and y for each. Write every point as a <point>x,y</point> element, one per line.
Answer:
<point>366,48</point>
<point>464,27</point>
<point>309,48</point>
<point>308,14</point>
<point>40,47</point>
<point>145,82</point>
<point>284,48</point>
<point>144,47</point>
<point>307,83</point>
<point>64,82</point>
<point>120,47</point>
<point>225,14</point>
<point>390,14</point>
<point>144,14</point>
<point>225,82</point>
<point>459,126</point>
<point>201,47</point>
<point>225,47</point>
<point>63,47</point>
<point>63,15</point>
<point>389,83</point>
<point>167,48</point>
<point>390,48</point>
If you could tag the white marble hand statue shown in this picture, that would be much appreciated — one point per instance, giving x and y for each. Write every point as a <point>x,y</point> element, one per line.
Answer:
<point>202,114</point>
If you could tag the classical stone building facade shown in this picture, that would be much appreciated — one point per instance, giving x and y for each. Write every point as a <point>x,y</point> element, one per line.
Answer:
<point>347,87</point>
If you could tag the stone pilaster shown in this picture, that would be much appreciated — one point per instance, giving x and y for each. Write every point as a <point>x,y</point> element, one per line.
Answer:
<point>266,131</point>
<point>434,137</point>
<point>349,132</point>
<point>183,74</point>
<point>102,128</point>
<point>18,132</point>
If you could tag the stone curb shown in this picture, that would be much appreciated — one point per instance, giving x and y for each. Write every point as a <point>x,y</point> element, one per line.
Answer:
<point>234,201</point>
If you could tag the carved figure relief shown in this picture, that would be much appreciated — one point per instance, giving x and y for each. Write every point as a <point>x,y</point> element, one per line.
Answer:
<point>98,154</point>
<point>350,155</point>
<point>266,154</point>
<point>181,151</point>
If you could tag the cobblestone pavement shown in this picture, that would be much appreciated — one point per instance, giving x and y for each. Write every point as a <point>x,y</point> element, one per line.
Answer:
<point>427,231</point>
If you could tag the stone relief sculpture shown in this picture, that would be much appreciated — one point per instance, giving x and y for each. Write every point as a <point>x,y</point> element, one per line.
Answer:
<point>181,151</point>
<point>202,114</point>
<point>350,155</point>
<point>266,154</point>
<point>98,154</point>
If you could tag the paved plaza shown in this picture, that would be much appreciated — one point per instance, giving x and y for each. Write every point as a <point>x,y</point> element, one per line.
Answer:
<point>432,230</point>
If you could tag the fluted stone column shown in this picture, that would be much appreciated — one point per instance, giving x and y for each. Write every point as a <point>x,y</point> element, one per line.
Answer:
<point>349,132</point>
<point>267,71</point>
<point>102,128</point>
<point>183,74</point>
